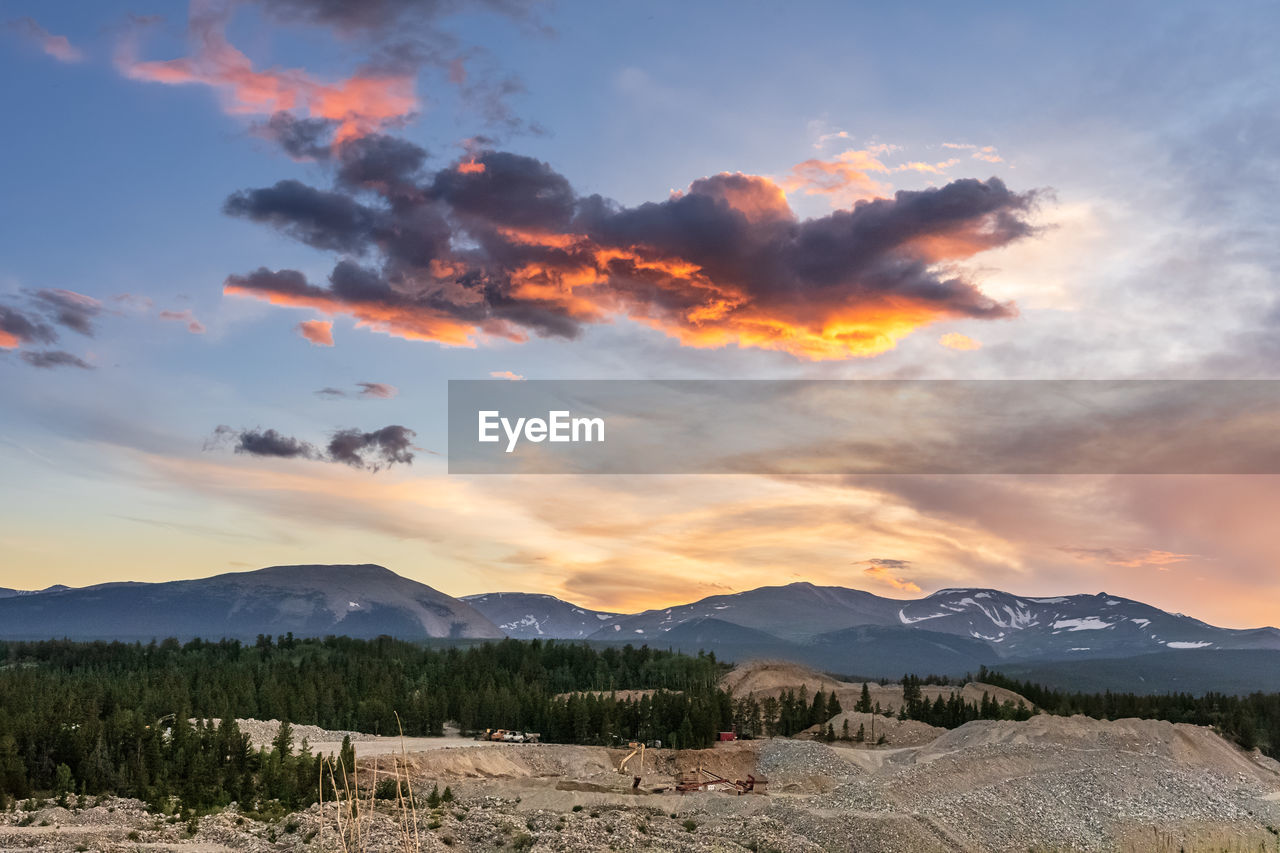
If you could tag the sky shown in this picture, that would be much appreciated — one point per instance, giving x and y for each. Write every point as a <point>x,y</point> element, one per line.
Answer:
<point>244,245</point>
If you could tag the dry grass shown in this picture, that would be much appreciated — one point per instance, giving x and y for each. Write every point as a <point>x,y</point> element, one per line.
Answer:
<point>353,817</point>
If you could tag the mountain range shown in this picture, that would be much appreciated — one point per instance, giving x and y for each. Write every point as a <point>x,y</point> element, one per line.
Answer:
<point>846,631</point>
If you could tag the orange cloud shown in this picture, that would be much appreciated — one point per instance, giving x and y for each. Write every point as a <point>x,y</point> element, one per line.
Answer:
<point>725,263</point>
<point>882,571</point>
<point>359,105</point>
<point>957,341</point>
<point>506,374</point>
<point>1129,558</point>
<point>8,341</point>
<point>319,332</point>
<point>846,179</point>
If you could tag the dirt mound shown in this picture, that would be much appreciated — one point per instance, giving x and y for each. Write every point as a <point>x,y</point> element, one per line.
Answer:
<point>895,732</point>
<point>513,761</point>
<point>769,678</point>
<point>1186,745</point>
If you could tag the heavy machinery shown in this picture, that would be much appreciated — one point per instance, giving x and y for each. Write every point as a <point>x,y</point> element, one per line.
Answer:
<point>509,736</point>
<point>703,779</point>
<point>637,749</point>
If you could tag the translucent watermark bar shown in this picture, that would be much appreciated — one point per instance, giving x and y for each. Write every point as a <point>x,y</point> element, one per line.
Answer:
<point>864,427</point>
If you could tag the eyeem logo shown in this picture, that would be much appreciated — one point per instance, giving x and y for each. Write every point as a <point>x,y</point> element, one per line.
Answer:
<point>559,426</point>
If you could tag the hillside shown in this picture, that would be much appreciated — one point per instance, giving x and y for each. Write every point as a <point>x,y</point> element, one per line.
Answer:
<point>771,678</point>
<point>1233,671</point>
<point>309,601</point>
<point>529,616</point>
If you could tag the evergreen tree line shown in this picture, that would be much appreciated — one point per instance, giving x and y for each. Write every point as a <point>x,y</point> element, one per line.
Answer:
<point>116,718</point>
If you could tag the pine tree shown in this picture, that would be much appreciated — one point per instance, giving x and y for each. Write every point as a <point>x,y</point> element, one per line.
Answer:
<point>347,755</point>
<point>864,701</point>
<point>433,799</point>
<point>283,741</point>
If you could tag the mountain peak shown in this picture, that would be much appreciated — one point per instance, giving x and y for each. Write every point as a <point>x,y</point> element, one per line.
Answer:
<point>359,600</point>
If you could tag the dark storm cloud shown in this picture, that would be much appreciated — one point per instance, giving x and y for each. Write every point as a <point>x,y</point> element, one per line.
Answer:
<point>53,358</point>
<point>499,244</point>
<point>371,451</point>
<point>17,328</point>
<point>267,442</point>
<point>379,161</point>
<point>67,308</point>
<point>381,15</point>
<point>325,220</point>
<point>510,190</point>
<point>301,138</point>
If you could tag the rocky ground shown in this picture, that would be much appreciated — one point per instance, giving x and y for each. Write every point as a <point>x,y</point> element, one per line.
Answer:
<point>1049,784</point>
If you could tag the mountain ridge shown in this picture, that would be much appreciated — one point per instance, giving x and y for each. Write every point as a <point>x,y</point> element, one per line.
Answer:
<point>1015,627</point>
<point>360,600</point>
<point>853,632</point>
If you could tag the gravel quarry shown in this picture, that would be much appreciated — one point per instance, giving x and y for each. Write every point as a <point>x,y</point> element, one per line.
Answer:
<point>1046,784</point>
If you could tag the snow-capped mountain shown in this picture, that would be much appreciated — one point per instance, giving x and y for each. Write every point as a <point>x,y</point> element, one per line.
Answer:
<point>527,616</point>
<point>1102,625</point>
<point>798,611</point>
<point>1014,627</point>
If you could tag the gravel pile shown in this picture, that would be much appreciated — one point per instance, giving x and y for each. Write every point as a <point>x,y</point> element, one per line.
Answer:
<point>262,732</point>
<point>783,759</point>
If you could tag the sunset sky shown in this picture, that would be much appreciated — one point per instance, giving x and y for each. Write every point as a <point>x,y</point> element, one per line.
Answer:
<point>243,246</point>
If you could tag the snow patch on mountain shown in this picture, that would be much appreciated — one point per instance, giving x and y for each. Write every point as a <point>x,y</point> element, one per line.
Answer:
<point>1089,623</point>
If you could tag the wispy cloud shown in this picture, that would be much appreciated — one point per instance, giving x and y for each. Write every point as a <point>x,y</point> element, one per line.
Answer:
<point>186,316</point>
<point>957,341</point>
<point>57,46</point>
<point>1129,558</point>
<point>53,358</point>
<point>887,572</point>
<point>986,153</point>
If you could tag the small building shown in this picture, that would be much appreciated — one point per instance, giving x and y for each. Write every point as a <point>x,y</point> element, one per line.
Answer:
<point>727,736</point>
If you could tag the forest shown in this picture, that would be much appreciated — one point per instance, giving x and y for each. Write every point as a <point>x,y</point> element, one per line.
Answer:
<point>128,719</point>
<point>142,720</point>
